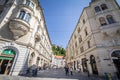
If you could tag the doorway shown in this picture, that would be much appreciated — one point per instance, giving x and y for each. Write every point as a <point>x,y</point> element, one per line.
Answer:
<point>93,65</point>
<point>116,61</point>
<point>6,61</point>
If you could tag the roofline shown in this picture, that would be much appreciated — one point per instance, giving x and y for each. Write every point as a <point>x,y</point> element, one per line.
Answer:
<point>77,24</point>
<point>44,21</point>
<point>80,18</point>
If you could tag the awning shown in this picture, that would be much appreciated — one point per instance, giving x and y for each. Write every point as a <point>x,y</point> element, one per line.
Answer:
<point>6,58</point>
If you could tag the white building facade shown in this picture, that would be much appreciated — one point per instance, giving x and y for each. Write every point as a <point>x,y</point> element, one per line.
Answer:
<point>24,39</point>
<point>95,43</point>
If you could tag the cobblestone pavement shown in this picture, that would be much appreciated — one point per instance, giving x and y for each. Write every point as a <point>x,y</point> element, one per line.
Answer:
<point>52,74</point>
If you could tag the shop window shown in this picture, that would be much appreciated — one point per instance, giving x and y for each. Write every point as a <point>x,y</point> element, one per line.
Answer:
<point>104,7</point>
<point>97,9</point>
<point>102,21</point>
<point>110,19</point>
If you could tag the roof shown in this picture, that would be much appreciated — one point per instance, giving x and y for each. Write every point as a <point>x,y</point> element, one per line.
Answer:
<point>59,57</point>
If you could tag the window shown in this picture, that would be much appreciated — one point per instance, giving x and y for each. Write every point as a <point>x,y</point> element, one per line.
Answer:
<point>76,44</point>
<point>75,36</point>
<point>22,14</point>
<point>29,3</point>
<point>27,18</point>
<point>104,7</point>
<point>86,33</point>
<point>102,21</point>
<point>78,30</point>
<point>97,9</point>
<point>82,49</point>
<point>110,19</point>
<point>32,5</point>
<point>80,39</point>
<point>88,44</point>
<point>83,21</point>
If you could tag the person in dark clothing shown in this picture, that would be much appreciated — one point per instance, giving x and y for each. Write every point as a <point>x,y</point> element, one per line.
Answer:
<point>66,70</point>
<point>71,71</point>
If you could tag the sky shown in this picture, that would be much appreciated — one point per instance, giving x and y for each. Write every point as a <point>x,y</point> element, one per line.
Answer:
<point>61,17</point>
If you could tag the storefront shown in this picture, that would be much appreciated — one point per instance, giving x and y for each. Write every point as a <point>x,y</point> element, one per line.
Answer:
<point>6,60</point>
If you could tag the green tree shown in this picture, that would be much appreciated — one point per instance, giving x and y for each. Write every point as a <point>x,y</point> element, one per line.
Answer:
<point>57,50</point>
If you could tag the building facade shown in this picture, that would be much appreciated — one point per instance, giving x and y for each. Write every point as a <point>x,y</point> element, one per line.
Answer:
<point>24,39</point>
<point>58,61</point>
<point>95,43</point>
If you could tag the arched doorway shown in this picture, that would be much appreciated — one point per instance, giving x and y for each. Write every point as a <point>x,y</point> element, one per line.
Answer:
<point>32,56</point>
<point>93,65</point>
<point>6,60</point>
<point>116,61</point>
<point>37,61</point>
<point>84,64</point>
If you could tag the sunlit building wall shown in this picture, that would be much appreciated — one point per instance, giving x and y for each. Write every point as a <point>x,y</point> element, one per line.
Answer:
<point>24,39</point>
<point>95,43</point>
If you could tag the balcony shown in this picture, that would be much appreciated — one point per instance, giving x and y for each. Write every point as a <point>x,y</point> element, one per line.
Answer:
<point>18,27</point>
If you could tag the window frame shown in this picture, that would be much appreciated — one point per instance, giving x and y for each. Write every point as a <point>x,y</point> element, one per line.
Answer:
<point>110,19</point>
<point>103,6</point>
<point>97,9</point>
<point>102,21</point>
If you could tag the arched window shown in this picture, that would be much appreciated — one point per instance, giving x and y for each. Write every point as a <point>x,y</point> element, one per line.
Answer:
<point>27,17</point>
<point>102,21</point>
<point>110,19</point>
<point>27,2</point>
<point>22,14</point>
<point>104,6</point>
<point>97,9</point>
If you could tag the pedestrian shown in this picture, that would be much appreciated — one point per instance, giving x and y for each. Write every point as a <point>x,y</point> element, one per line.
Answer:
<point>88,73</point>
<point>33,70</point>
<point>66,70</point>
<point>36,70</point>
<point>71,70</point>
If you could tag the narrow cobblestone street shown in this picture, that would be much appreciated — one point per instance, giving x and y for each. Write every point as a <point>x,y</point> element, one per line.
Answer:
<point>52,74</point>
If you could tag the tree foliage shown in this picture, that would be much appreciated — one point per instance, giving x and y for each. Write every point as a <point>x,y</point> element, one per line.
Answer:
<point>57,50</point>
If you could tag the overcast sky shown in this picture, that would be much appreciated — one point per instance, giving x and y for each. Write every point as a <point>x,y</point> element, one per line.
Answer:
<point>61,17</point>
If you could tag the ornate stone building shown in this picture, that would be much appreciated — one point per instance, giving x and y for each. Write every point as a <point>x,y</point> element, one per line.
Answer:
<point>95,43</point>
<point>24,38</point>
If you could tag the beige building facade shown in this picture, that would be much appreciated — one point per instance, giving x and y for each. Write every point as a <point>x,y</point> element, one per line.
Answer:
<point>24,39</point>
<point>95,43</point>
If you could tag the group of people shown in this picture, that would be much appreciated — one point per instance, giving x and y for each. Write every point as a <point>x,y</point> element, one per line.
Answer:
<point>68,70</point>
<point>33,69</point>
